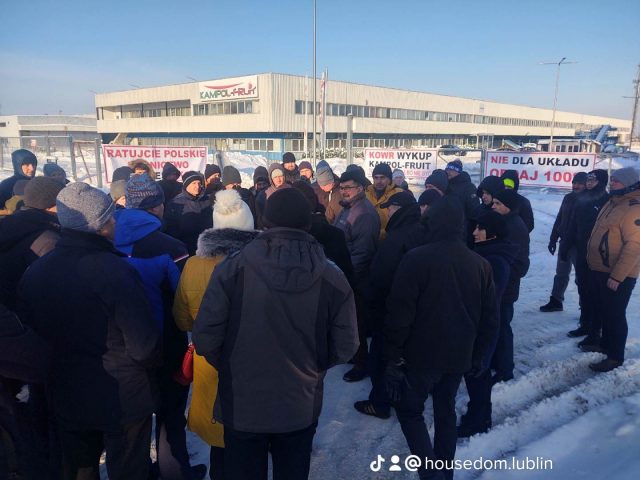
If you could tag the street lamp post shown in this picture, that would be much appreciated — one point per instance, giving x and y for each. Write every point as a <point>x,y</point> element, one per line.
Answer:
<point>314,85</point>
<point>555,97</point>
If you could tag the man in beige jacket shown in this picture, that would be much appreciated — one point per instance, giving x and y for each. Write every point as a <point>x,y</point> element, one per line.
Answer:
<point>614,259</point>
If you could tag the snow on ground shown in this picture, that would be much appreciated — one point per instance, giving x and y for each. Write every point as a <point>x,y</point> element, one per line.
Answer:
<point>555,409</point>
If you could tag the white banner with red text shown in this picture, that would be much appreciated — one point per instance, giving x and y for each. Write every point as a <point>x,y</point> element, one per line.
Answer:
<point>183,158</point>
<point>416,164</point>
<point>540,169</point>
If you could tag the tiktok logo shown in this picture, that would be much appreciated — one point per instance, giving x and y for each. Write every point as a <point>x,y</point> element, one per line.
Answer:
<point>376,465</point>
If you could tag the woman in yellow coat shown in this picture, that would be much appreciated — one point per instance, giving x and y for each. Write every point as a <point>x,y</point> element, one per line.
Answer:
<point>232,230</point>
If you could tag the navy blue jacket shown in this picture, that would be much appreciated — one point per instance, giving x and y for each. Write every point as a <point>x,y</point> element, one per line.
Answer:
<point>90,306</point>
<point>186,217</point>
<point>155,261</point>
<point>6,186</point>
<point>518,235</point>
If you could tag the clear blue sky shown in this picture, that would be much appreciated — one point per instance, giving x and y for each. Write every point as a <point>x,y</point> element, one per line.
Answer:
<point>53,53</point>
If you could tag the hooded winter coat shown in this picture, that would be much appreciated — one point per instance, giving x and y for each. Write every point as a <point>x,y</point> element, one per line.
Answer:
<point>90,305</point>
<point>213,247</point>
<point>583,218</point>
<point>361,226</point>
<point>376,202</point>
<point>464,190</point>
<point>614,245</point>
<point>329,200</point>
<point>524,205</point>
<point>171,188</point>
<point>442,306</point>
<point>275,316</point>
<point>186,217</point>
<point>25,236</point>
<point>152,172</point>
<point>518,235</point>
<point>159,273</point>
<point>18,158</point>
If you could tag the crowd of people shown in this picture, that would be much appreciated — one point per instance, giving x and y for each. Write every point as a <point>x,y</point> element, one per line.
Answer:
<point>100,294</point>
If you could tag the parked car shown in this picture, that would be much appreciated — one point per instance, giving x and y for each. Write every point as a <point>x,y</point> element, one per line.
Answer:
<point>451,150</point>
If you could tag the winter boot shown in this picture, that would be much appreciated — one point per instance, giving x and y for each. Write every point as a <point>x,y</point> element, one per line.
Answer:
<point>355,374</point>
<point>605,365</point>
<point>581,331</point>
<point>554,305</point>
<point>367,407</point>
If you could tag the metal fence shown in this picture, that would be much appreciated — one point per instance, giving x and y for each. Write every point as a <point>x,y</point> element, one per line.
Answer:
<point>79,158</point>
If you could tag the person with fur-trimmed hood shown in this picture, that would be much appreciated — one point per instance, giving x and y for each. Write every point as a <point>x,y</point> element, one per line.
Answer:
<point>274,318</point>
<point>232,230</point>
<point>189,214</point>
<point>24,168</point>
<point>28,234</point>
<point>140,165</point>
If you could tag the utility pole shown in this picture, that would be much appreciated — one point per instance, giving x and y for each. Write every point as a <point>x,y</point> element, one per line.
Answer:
<point>636,98</point>
<point>555,97</point>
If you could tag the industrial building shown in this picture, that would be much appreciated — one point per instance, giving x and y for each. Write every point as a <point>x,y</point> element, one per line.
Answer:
<point>269,113</point>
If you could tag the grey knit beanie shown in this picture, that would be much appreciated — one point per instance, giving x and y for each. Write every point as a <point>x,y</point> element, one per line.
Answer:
<point>626,176</point>
<point>84,208</point>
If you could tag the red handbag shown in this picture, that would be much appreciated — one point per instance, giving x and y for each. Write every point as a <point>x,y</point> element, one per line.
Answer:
<point>184,376</point>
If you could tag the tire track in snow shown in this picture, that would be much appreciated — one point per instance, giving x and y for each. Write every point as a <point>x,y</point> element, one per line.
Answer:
<point>549,414</point>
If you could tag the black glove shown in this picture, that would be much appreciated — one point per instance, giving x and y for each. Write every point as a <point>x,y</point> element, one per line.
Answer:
<point>552,248</point>
<point>395,377</point>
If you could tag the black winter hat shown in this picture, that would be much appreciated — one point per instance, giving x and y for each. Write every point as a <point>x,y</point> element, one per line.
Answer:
<point>41,192</point>
<point>580,177</point>
<point>189,177</point>
<point>355,175</point>
<point>288,157</point>
<point>438,179</point>
<point>428,197</point>
<point>260,172</point>
<point>305,164</point>
<point>382,169</point>
<point>169,169</point>
<point>230,175</point>
<point>400,199</point>
<point>289,208</point>
<point>494,224</point>
<point>121,173</point>
<point>509,198</point>
<point>211,169</point>
<point>491,184</point>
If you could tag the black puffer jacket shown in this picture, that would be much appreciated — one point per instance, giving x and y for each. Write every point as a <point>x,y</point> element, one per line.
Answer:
<point>584,215</point>
<point>518,235</point>
<point>90,306</point>
<point>464,190</point>
<point>561,225</point>
<point>442,305</point>
<point>25,236</point>
<point>277,288</point>
<point>524,205</point>
<point>186,217</point>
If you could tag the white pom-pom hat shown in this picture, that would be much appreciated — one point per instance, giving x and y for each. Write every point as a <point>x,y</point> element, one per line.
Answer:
<point>229,211</point>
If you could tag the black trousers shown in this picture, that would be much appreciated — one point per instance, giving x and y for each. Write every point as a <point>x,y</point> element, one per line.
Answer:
<point>362,298</point>
<point>502,361</point>
<point>127,452</point>
<point>171,436</point>
<point>612,310</point>
<point>246,455</point>
<point>442,388</point>
<point>216,463</point>
<point>479,407</point>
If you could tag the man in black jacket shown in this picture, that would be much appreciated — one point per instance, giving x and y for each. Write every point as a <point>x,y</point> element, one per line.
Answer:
<point>512,181</point>
<point>169,183</point>
<point>404,232</point>
<point>279,287</point>
<point>558,232</point>
<point>581,223</point>
<point>441,319</point>
<point>189,214</point>
<point>24,168</point>
<point>506,203</point>
<point>27,235</point>
<point>91,308</point>
<point>360,223</point>
<point>461,187</point>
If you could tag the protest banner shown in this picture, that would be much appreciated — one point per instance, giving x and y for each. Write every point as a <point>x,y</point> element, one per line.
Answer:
<point>417,164</point>
<point>184,158</point>
<point>540,169</point>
